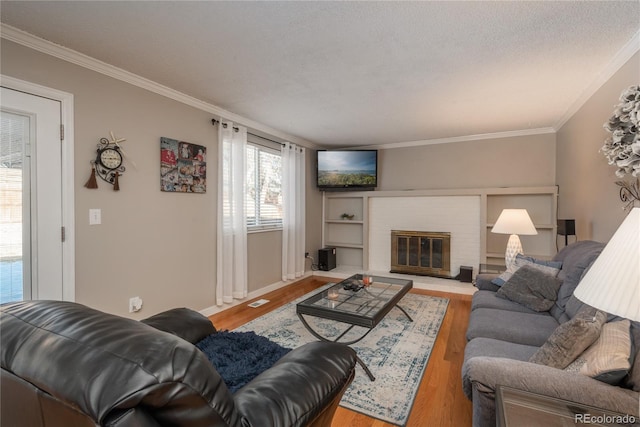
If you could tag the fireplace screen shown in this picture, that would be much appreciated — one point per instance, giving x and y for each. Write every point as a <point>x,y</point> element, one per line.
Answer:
<point>419,252</point>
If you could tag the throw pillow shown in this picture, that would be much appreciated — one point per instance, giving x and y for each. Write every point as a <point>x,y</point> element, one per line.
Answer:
<point>550,267</point>
<point>532,288</point>
<point>570,339</point>
<point>607,359</point>
<point>633,380</point>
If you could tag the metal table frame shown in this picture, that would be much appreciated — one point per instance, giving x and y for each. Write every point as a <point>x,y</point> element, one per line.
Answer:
<point>365,307</point>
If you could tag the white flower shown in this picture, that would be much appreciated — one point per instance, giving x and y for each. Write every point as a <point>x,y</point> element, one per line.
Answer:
<point>622,148</point>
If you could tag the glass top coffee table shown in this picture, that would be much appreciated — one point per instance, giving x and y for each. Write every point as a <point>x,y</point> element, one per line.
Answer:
<point>356,304</point>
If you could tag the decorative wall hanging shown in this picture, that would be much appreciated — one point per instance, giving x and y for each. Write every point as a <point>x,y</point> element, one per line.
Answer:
<point>183,166</point>
<point>108,162</point>
<point>622,148</point>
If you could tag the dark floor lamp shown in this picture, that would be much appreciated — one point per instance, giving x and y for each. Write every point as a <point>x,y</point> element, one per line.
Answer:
<point>566,228</point>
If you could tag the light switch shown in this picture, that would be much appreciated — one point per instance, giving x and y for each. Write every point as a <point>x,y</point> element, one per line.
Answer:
<point>95,216</point>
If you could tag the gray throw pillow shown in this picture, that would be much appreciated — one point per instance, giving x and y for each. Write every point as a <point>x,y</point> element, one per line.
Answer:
<point>633,380</point>
<point>550,267</point>
<point>570,339</point>
<point>532,288</point>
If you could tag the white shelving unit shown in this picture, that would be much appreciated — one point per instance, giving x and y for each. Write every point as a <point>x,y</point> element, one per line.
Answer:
<point>350,237</point>
<point>540,203</point>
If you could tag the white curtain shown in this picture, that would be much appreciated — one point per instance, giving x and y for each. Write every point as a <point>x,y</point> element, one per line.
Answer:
<point>293,215</point>
<point>232,222</point>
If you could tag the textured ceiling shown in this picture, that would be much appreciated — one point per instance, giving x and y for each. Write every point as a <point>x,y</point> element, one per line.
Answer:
<point>355,73</point>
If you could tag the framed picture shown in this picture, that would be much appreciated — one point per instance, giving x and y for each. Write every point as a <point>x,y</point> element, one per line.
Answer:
<point>183,166</point>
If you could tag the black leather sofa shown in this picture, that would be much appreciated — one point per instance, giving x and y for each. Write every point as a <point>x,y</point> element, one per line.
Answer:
<point>64,364</point>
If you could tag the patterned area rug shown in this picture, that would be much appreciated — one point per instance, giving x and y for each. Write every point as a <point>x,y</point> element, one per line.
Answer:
<point>396,351</point>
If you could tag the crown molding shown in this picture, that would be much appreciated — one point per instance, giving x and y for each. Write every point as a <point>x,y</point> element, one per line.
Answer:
<point>465,138</point>
<point>36,43</point>
<point>31,41</point>
<point>619,59</point>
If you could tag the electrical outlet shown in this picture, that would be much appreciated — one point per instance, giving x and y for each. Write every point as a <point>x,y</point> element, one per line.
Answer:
<point>135,304</point>
<point>306,254</point>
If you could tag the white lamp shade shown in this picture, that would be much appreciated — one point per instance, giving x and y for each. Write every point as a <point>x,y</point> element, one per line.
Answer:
<point>612,284</point>
<point>514,221</point>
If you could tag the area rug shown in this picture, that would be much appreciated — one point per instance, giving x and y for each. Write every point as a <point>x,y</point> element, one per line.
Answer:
<point>396,351</point>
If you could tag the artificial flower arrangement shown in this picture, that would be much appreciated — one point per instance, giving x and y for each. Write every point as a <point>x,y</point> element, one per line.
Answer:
<point>622,148</point>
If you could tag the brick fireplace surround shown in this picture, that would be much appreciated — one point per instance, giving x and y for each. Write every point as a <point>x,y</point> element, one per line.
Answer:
<point>457,215</point>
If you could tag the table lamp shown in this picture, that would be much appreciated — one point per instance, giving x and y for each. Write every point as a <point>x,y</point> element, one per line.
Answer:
<point>513,222</point>
<point>612,284</point>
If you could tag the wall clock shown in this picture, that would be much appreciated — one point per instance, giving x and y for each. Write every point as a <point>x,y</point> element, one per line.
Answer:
<point>108,162</point>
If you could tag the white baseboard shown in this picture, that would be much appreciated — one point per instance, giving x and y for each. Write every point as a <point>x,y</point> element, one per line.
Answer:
<point>209,311</point>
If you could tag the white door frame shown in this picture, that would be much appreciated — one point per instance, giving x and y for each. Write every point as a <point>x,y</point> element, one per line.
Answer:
<point>68,201</point>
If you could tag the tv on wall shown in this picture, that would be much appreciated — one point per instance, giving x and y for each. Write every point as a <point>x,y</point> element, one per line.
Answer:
<point>347,170</point>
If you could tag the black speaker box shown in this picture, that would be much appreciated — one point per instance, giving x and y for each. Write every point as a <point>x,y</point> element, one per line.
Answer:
<point>466,274</point>
<point>326,259</point>
<point>567,227</point>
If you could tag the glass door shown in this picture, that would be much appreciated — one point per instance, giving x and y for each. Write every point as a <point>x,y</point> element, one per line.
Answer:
<point>31,232</point>
<point>15,207</point>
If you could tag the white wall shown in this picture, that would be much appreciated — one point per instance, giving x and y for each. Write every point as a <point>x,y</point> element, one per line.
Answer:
<point>159,246</point>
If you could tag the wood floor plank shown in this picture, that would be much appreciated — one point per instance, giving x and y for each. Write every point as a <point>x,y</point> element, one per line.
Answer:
<point>439,400</point>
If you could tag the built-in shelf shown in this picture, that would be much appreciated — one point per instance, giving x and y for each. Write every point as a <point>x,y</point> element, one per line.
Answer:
<point>538,226</point>
<point>351,237</point>
<point>343,245</point>
<point>540,203</point>
<point>348,236</point>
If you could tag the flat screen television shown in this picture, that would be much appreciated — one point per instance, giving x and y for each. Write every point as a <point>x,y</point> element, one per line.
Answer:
<point>347,170</point>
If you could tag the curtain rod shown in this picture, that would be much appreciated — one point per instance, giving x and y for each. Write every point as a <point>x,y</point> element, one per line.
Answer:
<point>215,122</point>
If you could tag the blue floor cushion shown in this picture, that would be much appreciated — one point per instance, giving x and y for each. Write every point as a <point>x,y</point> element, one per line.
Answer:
<point>239,357</point>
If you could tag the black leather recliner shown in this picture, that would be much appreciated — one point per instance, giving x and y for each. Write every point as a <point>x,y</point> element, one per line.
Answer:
<point>64,364</point>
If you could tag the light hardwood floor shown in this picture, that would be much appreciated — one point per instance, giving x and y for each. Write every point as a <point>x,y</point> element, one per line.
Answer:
<point>439,402</point>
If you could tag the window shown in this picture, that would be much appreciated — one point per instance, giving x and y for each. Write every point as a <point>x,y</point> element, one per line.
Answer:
<point>264,187</point>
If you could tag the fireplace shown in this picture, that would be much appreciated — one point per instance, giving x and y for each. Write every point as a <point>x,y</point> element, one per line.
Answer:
<point>421,253</point>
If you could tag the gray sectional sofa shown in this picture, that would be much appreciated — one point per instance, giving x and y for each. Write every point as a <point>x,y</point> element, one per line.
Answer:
<point>502,335</point>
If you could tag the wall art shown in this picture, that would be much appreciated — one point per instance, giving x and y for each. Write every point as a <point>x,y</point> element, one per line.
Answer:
<point>183,166</point>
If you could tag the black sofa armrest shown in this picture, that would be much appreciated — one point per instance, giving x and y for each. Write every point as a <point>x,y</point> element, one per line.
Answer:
<point>299,387</point>
<point>483,282</point>
<point>182,322</point>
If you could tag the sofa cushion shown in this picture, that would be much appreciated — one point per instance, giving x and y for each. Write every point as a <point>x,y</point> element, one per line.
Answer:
<point>550,267</point>
<point>521,328</point>
<point>532,288</point>
<point>607,359</point>
<point>489,347</point>
<point>483,282</point>
<point>489,299</point>
<point>570,339</point>
<point>576,258</point>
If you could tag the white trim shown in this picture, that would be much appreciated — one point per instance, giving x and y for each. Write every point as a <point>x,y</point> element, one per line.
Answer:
<point>29,40</point>
<point>478,137</point>
<point>68,200</point>
<point>209,311</point>
<point>620,58</point>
